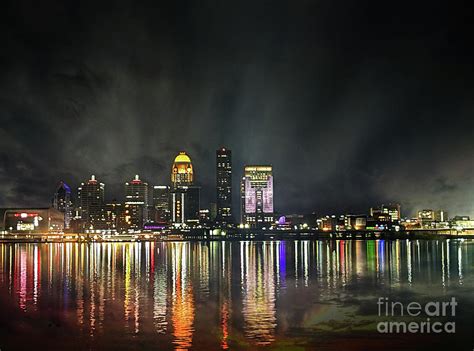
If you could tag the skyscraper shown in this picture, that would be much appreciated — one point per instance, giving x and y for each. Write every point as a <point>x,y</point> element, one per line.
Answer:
<point>192,204</point>
<point>63,203</point>
<point>136,197</point>
<point>257,196</point>
<point>161,203</point>
<point>185,205</point>
<point>184,196</point>
<point>224,184</point>
<point>90,196</point>
<point>114,216</point>
<point>182,173</point>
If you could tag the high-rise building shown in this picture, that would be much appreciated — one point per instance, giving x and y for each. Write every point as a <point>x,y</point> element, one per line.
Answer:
<point>192,204</point>
<point>63,203</point>
<point>177,206</point>
<point>257,196</point>
<point>185,203</point>
<point>114,216</point>
<point>224,184</point>
<point>161,203</point>
<point>136,197</point>
<point>184,197</point>
<point>90,197</point>
<point>182,173</point>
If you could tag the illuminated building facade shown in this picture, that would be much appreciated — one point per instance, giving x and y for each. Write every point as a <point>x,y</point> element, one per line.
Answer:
<point>90,197</point>
<point>441,216</point>
<point>432,218</point>
<point>356,222</point>
<point>136,200</point>
<point>177,206</point>
<point>426,217</point>
<point>184,197</point>
<point>327,223</point>
<point>257,196</point>
<point>224,185</point>
<point>63,203</point>
<point>462,222</point>
<point>393,210</point>
<point>185,203</point>
<point>192,204</point>
<point>161,203</point>
<point>182,173</point>
<point>114,216</point>
<point>32,220</point>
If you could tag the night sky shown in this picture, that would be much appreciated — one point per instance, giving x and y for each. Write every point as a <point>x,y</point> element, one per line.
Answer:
<point>354,103</point>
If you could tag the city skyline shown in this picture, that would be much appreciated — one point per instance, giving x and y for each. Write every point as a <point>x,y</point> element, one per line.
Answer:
<point>115,192</point>
<point>210,194</point>
<point>147,193</point>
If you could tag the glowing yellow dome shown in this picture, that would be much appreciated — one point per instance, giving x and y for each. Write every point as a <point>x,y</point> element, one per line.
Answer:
<point>182,171</point>
<point>182,157</point>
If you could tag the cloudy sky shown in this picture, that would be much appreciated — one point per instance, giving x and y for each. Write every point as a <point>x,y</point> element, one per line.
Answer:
<point>354,103</point>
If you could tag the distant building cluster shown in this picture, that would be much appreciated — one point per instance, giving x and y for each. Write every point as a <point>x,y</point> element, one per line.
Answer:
<point>388,217</point>
<point>177,205</point>
<point>145,207</point>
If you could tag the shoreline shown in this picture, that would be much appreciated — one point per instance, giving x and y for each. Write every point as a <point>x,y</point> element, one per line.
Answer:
<point>241,236</point>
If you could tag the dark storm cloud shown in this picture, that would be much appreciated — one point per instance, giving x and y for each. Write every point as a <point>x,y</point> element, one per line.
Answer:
<point>353,103</point>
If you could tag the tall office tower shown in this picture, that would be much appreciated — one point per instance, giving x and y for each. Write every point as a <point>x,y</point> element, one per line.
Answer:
<point>192,204</point>
<point>90,196</point>
<point>185,203</point>
<point>257,196</point>
<point>63,203</point>
<point>161,203</point>
<point>224,185</point>
<point>177,206</point>
<point>184,197</point>
<point>136,197</point>
<point>182,171</point>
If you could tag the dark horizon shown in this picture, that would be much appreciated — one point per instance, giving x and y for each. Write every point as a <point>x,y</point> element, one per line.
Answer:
<point>354,104</point>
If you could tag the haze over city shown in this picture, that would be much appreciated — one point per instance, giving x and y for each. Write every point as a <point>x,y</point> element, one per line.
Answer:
<point>354,104</point>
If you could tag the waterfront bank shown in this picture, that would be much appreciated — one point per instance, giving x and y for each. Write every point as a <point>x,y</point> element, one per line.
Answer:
<point>240,235</point>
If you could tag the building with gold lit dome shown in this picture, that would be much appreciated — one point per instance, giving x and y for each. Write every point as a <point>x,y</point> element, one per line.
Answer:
<point>182,171</point>
<point>184,197</point>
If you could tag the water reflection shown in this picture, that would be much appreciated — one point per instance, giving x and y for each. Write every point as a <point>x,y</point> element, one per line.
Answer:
<point>218,294</point>
<point>258,290</point>
<point>182,297</point>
